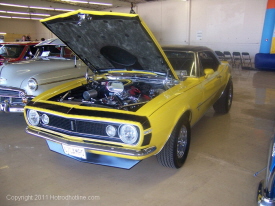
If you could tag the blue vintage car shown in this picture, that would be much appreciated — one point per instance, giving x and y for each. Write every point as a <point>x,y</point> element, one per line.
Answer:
<point>266,189</point>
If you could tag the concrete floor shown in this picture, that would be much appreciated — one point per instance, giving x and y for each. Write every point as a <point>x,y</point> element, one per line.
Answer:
<point>225,153</point>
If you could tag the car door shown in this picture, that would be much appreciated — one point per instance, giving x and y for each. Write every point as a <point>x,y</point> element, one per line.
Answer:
<point>211,78</point>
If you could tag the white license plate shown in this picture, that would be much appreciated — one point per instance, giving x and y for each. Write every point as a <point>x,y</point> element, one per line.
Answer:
<point>74,151</point>
<point>16,109</point>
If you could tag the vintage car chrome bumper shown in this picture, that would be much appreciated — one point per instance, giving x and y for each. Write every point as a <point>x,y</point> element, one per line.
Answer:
<point>12,99</point>
<point>262,199</point>
<point>266,189</point>
<point>8,106</point>
<point>91,146</point>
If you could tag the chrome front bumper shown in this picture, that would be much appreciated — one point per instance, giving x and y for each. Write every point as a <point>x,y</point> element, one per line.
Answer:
<point>91,146</point>
<point>266,189</point>
<point>261,196</point>
<point>6,106</point>
<point>12,99</point>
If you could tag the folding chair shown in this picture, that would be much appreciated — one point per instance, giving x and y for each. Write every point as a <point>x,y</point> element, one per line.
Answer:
<point>228,56</point>
<point>237,59</point>
<point>246,59</point>
<point>220,55</point>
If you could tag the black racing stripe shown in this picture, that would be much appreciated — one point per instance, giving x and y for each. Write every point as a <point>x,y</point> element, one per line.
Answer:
<point>142,119</point>
<point>53,107</point>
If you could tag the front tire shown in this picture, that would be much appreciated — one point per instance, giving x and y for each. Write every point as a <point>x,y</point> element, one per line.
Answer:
<point>223,104</point>
<point>175,151</point>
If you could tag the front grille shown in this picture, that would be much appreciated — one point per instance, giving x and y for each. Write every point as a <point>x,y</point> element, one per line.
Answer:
<point>11,100</point>
<point>9,93</point>
<point>59,122</point>
<point>80,128</point>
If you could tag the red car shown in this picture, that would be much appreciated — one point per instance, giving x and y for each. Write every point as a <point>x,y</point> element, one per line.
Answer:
<point>17,51</point>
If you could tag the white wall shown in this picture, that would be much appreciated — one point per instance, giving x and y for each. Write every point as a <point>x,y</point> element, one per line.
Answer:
<point>168,20</point>
<point>42,31</point>
<point>226,25</point>
<point>24,27</point>
<point>234,25</point>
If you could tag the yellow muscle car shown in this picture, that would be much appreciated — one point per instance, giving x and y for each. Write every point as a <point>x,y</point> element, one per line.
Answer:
<point>141,100</point>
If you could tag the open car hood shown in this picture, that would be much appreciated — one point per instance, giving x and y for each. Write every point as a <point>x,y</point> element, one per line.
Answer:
<point>108,41</point>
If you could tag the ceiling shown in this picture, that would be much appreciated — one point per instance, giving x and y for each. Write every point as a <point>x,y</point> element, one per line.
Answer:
<point>29,8</point>
<point>115,4</point>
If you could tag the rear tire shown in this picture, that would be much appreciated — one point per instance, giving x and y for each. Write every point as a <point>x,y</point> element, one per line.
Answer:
<point>175,151</point>
<point>223,104</point>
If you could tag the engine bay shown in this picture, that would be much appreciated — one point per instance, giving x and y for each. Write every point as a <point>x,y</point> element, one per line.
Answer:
<point>117,91</point>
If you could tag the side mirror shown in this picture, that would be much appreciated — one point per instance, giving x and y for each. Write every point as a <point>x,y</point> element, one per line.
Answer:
<point>182,74</point>
<point>208,72</point>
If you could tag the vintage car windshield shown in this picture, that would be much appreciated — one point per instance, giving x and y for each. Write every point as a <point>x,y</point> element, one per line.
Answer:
<point>11,51</point>
<point>54,51</point>
<point>182,62</point>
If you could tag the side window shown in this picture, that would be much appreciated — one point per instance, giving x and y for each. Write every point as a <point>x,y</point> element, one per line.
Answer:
<point>208,60</point>
<point>30,52</point>
<point>33,49</point>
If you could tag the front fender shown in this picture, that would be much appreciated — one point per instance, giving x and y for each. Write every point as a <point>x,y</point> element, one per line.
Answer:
<point>184,99</point>
<point>53,79</point>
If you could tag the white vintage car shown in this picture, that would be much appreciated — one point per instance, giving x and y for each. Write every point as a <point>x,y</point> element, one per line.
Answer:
<point>53,64</point>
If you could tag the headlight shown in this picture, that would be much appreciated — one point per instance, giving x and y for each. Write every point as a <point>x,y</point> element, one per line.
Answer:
<point>3,80</point>
<point>45,119</point>
<point>32,84</point>
<point>128,134</point>
<point>111,131</point>
<point>33,117</point>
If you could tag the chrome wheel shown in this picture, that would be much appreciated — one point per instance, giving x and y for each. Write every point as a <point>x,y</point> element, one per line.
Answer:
<point>230,95</point>
<point>182,142</point>
<point>175,151</point>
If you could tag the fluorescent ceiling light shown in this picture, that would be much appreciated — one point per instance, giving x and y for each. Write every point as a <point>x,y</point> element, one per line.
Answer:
<point>33,18</point>
<point>64,9</point>
<point>24,13</point>
<point>89,2</point>
<point>17,17</point>
<point>7,17</point>
<point>13,5</point>
<point>36,7</point>
<point>2,33</point>
<point>76,1</point>
<point>26,18</point>
<point>103,4</point>
<point>43,8</point>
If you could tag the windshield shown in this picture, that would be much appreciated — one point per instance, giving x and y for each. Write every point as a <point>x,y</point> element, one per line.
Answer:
<point>11,51</point>
<point>54,51</point>
<point>182,61</point>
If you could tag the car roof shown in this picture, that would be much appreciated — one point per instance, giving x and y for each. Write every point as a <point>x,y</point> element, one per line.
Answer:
<point>52,41</point>
<point>193,48</point>
<point>21,43</point>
